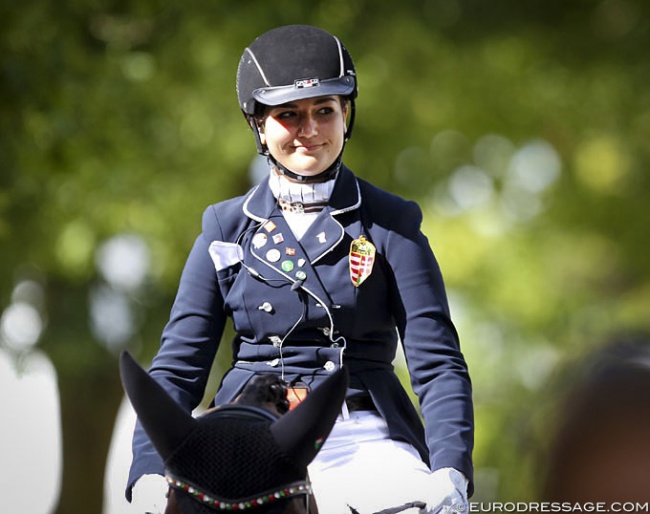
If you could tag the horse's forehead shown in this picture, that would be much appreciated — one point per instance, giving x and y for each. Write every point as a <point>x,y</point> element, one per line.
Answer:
<point>216,430</point>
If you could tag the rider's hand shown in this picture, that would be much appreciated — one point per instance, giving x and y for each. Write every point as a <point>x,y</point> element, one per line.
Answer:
<point>447,492</point>
<point>149,495</point>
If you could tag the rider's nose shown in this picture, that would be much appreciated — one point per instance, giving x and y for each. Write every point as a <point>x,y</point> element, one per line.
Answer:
<point>308,127</point>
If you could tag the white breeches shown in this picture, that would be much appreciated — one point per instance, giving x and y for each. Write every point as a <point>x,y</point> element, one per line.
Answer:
<point>360,466</point>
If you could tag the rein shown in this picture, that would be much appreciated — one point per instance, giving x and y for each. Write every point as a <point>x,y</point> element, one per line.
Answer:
<point>395,510</point>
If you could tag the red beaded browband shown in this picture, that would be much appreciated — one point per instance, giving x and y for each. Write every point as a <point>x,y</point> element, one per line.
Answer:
<point>210,500</point>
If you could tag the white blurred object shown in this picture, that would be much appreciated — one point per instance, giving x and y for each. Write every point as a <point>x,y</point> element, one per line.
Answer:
<point>21,326</point>
<point>123,261</point>
<point>111,317</point>
<point>30,434</point>
<point>118,461</point>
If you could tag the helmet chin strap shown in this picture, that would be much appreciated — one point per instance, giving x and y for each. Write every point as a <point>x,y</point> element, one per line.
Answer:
<point>323,176</point>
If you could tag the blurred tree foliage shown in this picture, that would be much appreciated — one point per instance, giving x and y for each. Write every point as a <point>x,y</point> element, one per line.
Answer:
<point>522,128</point>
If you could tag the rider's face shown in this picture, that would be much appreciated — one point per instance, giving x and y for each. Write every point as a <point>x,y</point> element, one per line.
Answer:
<point>305,136</point>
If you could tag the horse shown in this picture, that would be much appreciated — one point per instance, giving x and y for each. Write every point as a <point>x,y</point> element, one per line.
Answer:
<point>250,455</point>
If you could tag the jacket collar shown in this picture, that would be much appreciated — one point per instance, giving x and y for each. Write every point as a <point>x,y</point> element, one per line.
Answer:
<point>260,202</point>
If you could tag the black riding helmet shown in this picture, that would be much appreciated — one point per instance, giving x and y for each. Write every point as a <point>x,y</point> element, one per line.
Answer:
<point>290,63</point>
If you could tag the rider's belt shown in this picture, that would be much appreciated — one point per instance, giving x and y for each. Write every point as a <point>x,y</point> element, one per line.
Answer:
<point>360,402</point>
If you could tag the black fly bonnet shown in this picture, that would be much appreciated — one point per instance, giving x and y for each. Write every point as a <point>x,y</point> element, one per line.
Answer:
<point>234,457</point>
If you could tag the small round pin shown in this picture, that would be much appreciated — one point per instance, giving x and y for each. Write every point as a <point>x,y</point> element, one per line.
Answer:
<point>273,255</point>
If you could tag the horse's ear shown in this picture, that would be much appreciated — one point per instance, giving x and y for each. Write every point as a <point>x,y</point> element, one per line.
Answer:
<point>165,422</point>
<point>301,432</point>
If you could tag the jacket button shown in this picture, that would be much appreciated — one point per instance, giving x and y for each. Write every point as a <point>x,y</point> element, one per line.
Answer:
<point>329,366</point>
<point>266,307</point>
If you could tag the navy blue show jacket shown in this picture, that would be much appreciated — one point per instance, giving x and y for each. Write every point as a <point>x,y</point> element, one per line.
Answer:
<point>283,315</point>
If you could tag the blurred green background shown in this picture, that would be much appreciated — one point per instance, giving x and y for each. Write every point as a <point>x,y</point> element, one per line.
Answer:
<point>521,127</point>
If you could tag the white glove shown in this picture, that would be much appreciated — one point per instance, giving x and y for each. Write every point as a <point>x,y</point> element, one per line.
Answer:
<point>149,495</point>
<point>447,493</point>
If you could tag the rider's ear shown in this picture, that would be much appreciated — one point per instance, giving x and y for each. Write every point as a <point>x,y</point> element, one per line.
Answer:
<point>259,123</point>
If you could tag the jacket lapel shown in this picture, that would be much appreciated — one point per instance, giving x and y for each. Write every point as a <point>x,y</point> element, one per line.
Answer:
<point>326,232</point>
<point>274,245</point>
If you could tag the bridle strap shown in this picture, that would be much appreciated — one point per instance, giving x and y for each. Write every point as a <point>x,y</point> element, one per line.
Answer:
<point>299,488</point>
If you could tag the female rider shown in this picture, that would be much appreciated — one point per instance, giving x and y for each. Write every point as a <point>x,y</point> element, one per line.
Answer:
<point>319,269</point>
